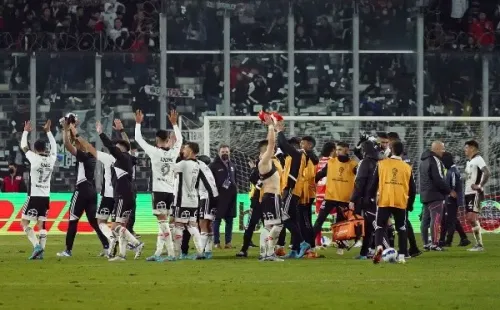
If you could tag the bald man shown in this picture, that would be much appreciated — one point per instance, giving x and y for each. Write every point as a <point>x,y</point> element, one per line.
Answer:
<point>433,192</point>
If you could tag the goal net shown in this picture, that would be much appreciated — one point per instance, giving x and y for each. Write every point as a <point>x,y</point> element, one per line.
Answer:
<point>242,134</point>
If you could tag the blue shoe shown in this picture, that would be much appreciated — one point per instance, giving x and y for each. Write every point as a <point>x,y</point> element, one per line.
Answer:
<point>154,258</point>
<point>40,257</point>
<point>304,246</point>
<point>199,257</point>
<point>361,257</point>
<point>183,257</point>
<point>167,259</point>
<point>64,253</point>
<point>208,255</point>
<point>37,251</point>
<point>292,254</point>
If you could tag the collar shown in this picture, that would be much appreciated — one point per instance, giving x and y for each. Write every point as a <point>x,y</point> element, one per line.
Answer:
<point>396,157</point>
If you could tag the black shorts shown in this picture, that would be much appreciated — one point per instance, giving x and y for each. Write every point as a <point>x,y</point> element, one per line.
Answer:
<point>162,203</point>
<point>272,209</point>
<point>207,209</point>
<point>82,201</point>
<point>185,215</point>
<point>290,204</point>
<point>35,208</point>
<point>340,206</point>
<point>123,207</point>
<point>473,202</point>
<point>106,208</point>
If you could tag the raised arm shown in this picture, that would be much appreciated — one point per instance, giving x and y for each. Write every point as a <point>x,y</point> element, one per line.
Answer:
<point>148,148</point>
<point>24,137</point>
<point>271,138</point>
<point>66,139</point>
<point>119,127</point>
<point>283,144</point>
<point>113,149</point>
<point>89,147</point>
<point>173,116</point>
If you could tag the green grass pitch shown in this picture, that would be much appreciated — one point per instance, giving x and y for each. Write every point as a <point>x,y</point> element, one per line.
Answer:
<point>455,279</point>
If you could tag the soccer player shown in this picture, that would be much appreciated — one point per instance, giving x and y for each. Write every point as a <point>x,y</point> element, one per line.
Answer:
<point>340,172</point>
<point>328,152</point>
<point>271,198</point>
<point>361,197</point>
<point>477,175</point>
<point>84,198</point>
<point>36,206</point>
<point>187,198</point>
<point>163,157</point>
<point>383,141</point>
<point>454,179</point>
<point>295,164</point>
<point>207,206</point>
<point>124,194</point>
<point>396,191</point>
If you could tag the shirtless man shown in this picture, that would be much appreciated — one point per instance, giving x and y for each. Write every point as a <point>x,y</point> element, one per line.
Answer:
<point>271,199</point>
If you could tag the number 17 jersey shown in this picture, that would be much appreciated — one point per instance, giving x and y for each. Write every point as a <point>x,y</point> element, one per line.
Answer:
<point>41,167</point>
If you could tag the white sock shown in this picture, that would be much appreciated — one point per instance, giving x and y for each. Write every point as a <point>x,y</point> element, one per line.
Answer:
<point>477,234</point>
<point>210,243</point>
<point>31,235</point>
<point>204,240</point>
<point>167,238</point>
<point>178,232</point>
<point>195,233</point>
<point>122,241</point>
<point>272,238</point>
<point>264,234</point>
<point>106,231</point>
<point>160,240</point>
<point>42,237</point>
<point>130,238</point>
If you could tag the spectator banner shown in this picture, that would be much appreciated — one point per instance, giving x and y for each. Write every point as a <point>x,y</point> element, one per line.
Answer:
<point>57,223</point>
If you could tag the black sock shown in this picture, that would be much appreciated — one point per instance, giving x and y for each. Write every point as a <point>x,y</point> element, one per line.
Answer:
<point>71,234</point>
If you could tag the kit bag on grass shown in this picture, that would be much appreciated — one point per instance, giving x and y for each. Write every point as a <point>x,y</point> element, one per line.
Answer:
<point>352,228</point>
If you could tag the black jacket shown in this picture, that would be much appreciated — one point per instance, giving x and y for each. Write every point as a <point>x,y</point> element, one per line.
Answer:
<point>361,195</point>
<point>226,203</point>
<point>433,186</point>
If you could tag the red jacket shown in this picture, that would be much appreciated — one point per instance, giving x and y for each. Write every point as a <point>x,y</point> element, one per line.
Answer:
<point>483,32</point>
<point>13,184</point>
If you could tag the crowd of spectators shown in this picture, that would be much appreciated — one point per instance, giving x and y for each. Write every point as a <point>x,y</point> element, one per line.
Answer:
<point>66,34</point>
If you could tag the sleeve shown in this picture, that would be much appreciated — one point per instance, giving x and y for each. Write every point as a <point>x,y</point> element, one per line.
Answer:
<point>412,192</point>
<point>254,176</point>
<point>313,157</point>
<point>179,167</point>
<point>105,158</point>
<point>53,144</point>
<point>360,182</point>
<point>81,156</point>
<point>176,148</point>
<point>321,174</point>
<point>148,148</point>
<point>30,156</point>
<point>480,162</point>
<point>208,180</point>
<point>436,177</point>
<point>373,186</point>
<point>113,149</point>
<point>286,147</point>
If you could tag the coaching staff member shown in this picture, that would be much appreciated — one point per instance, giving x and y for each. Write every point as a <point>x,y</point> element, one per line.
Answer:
<point>433,192</point>
<point>396,192</point>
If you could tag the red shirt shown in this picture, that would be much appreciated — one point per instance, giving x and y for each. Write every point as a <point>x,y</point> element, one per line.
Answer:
<point>13,184</point>
<point>483,32</point>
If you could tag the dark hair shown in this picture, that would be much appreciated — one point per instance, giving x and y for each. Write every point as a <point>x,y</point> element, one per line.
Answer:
<point>447,160</point>
<point>294,141</point>
<point>328,148</point>
<point>194,147</point>
<point>397,148</point>
<point>124,143</point>
<point>40,146</point>
<point>310,140</point>
<point>343,144</point>
<point>223,146</point>
<point>162,134</point>
<point>472,143</point>
<point>262,143</point>
<point>393,135</point>
<point>12,164</point>
<point>205,159</point>
<point>368,147</point>
<point>133,145</point>
<point>382,135</point>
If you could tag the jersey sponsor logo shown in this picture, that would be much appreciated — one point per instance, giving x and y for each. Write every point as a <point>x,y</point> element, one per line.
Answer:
<point>161,205</point>
<point>489,215</point>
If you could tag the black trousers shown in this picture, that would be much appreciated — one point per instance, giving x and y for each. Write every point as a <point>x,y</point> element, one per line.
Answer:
<point>186,236</point>
<point>290,220</point>
<point>383,215</point>
<point>305,223</point>
<point>325,210</point>
<point>255,217</point>
<point>411,234</point>
<point>370,225</point>
<point>451,223</point>
<point>131,218</point>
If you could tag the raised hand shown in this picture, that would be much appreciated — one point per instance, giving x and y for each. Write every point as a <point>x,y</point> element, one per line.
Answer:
<point>139,116</point>
<point>47,125</point>
<point>27,126</point>
<point>72,129</point>
<point>117,124</point>
<point>172,117</point>
<point>98,127</point>
<point>268,120</point>
<point>279,126</point>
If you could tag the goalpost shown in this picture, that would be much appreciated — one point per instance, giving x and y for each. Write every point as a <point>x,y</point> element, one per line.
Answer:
<point>242,133</point>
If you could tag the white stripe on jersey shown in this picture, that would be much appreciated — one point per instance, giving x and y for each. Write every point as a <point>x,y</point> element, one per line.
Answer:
<point>107,160</point>
<point>207,173</point>
<point>188,171</point>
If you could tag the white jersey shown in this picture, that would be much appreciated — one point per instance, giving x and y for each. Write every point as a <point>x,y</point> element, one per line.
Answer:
<point>207,182</point>
<point>41,167</point>
<point>162,161</point>
<point>473,173</point>
<point>187,190</point>
<point>107,161</point>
